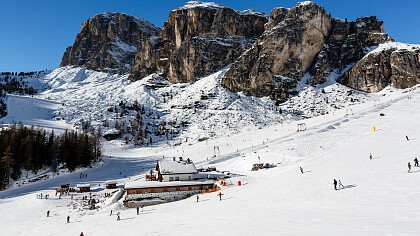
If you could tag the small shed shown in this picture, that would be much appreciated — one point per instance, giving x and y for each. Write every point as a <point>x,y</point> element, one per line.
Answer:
<point>64,185</point>
<point>83,188</point>
<point>111,184</point>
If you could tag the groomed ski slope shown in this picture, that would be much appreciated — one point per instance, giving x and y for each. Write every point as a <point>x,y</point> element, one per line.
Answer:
<point>380,198</point>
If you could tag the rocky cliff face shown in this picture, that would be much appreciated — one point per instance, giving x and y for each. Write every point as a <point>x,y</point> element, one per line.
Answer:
<point>283,54</point>
<point>198,39</point>
<point>108,42</point>
<point>347,43</point>
<point>390,64</point>
<point>267,56</point>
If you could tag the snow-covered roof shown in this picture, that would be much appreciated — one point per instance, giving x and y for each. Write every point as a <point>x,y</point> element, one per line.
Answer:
<point>83,185</point>
<point>154,184</point>
<point>111,182</point>
<point>170,167</point>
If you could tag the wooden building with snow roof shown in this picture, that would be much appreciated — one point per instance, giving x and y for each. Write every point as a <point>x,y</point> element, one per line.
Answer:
<point>173,170</point>
<point>174,180</point>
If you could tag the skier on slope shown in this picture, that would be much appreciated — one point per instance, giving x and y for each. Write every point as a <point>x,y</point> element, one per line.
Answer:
<point>340,184</point>
<point>370,156</point>
<point>118,216</point>
<point>138,210</point>
<point>48,213</point>
<point>416,162</point>
<point>335,184</point>
<point>406,137</point>
<point>301,170</point>
<point>220,196</point>
<point>409,167</point>
<point>68,219</point>
<point>198,198</point>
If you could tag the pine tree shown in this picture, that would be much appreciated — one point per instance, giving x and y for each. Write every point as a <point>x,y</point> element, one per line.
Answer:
<point>7,162</point>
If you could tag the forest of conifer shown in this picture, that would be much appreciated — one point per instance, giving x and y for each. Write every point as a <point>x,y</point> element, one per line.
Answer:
<point>24,149</point>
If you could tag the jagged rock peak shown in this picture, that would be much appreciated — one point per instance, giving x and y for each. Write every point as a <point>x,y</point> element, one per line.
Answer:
<point>114,17</point>
<point>283,54</point>
<point>347,43</point>
<point>194,4</point>
<point>395,64</point>
<point>108,42</point>
<point>214,6</point>
<point>198,39</point>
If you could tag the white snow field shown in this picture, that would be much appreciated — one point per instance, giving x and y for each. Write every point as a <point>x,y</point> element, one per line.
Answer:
<point>33,111</point>
<point>380,196</point>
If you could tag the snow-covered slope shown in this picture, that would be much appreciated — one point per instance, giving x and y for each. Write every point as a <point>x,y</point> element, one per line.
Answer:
<point>174,113</point>
<point>379,196</point>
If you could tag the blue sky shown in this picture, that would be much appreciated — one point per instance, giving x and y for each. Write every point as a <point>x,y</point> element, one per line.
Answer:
<point>35,34</point>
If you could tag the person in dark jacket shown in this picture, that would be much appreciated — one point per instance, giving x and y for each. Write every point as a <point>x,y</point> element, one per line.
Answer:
<point>48,213</point>
<point>220,196</point>
<point>335,184</point>
<point>301,170</point>
<point>68,219</point>
<point>409,167</point>
<point>416,162</point>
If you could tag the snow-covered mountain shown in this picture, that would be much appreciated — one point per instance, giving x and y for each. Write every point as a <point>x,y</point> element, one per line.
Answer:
<point>172,113</point>
<point>313,97</point>
<point>378,195</point>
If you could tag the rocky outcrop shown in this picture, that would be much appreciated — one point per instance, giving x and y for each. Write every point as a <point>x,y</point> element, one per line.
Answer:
<point>405,67</point>
<point>347,43</point>
<point>108,42</point>
<point>391,64</point>
<point>268,56</point>
<point>198,39</point>
<point>283,53</point>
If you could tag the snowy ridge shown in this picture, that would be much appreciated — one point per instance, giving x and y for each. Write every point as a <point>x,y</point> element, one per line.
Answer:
<point>305,3</point>
<point>201,110</point>
<point>194,4</point>
<point>394,45</point>
<point>213,5</point>
<point>193,112</point>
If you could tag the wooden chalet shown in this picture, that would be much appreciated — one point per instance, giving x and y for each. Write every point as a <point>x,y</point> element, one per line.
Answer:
<point>142,193</point>
<point>173,170</point>
<point>111,184</point>
<point>83,188</point>
<point>174,180</point>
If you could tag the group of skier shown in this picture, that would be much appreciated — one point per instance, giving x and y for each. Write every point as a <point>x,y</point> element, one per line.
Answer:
<point>416,164</point>
<point>340,185</point>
